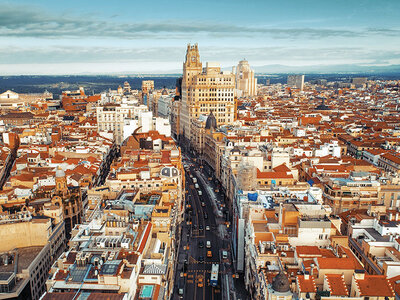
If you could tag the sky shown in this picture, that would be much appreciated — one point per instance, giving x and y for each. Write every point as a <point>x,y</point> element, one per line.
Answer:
<point>130,36</point>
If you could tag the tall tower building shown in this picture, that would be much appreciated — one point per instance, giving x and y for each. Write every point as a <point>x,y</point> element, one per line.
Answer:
<point>296,81</point>
<point>147,88</point>
<point>246,84</point>
<point>205,90</point>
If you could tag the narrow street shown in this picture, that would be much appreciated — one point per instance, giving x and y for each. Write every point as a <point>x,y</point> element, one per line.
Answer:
<point>204,223</point>
<point>105,166</point>
<point>5,172</point>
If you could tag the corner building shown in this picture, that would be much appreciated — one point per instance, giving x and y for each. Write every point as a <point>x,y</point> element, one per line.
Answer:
<point>205,90</point>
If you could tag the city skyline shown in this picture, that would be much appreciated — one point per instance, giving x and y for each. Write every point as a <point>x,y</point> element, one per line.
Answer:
<point>77,38</point>
<point>213,183</point>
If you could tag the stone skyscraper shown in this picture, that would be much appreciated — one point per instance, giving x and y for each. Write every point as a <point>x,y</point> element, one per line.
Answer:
<point>246,84</point>
<point>205,90</point>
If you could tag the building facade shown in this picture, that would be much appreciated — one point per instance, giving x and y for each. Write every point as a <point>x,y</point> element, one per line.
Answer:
<point>296,81</point>
<point>205,90</point>
<point>246,84</point>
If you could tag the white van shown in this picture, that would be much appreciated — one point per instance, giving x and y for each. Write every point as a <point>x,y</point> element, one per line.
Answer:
<point>200,193</point>
<point>196,185</point>
<point>208,244</point>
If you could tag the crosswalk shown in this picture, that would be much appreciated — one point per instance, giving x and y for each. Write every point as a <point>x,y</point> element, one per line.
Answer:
<point>192,260</point>
<point>202,271</point>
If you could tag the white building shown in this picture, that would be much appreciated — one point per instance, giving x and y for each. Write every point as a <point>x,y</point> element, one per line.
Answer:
<point>332,149</point>
<point>246,84</point>
<point>110,117</point>
<point>164,105</point>
<point>146,122</point>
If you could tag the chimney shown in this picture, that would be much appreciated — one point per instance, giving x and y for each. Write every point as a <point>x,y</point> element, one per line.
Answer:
<point>359,274</point>
<point>306,275</point>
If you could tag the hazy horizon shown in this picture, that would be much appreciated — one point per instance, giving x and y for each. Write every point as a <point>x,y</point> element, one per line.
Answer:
<point>53,38</point>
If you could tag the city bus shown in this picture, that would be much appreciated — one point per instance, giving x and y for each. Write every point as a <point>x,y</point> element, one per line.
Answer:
<point>214,275</point>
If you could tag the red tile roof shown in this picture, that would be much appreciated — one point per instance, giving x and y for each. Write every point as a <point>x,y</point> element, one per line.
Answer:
<point>145,236</point>
<point>343,263</point>
<point>375,285</point>
<point>336,284</point>
<point>306,285</point>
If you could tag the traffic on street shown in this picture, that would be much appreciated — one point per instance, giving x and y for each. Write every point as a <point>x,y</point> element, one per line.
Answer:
<point>204,267</point>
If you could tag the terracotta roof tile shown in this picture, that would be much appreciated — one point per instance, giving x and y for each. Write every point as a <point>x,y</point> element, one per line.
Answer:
<point>337,285</point>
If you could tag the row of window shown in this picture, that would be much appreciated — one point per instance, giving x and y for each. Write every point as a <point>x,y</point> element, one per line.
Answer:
<point>132,186</point>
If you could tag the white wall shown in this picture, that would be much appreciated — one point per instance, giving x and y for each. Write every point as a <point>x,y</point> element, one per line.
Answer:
<point>163,126</point>
<point>311,237</point>
<point>145,120</point>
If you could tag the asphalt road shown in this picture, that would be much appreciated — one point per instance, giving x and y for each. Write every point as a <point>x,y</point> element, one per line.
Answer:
<point>219,236</point>
<point>199,214</point>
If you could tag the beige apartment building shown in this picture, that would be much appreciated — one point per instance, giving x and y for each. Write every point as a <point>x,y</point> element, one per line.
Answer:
<point>111,117</point>
<point>147,86</point>
<point>246,84</point>
<point>343,194</point>
<point>205,90</point>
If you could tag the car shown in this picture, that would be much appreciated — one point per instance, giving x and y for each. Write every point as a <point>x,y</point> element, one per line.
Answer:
<point>201,244</point>
<point>194,226</point>
<point>205,216</point>
<point>209,254</point>
<point>208,228</point>
<point>224,254</point>
<point>201,259</point>
<point>203,204</point>
<point>180,292</point>
<point>200,282</point>
<point>208,244</point>
<point>201,227</point>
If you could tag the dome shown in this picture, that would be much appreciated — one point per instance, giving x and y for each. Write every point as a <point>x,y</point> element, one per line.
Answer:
<point>280,283</point>
<point>60,173</point>
<point>211,121</point>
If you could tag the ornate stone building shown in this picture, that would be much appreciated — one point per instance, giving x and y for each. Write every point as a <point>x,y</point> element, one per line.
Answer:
<point>205,90</point>
<point>246,84</point>
<point>69,198</point>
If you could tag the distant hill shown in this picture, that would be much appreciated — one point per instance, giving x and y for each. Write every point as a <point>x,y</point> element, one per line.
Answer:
<point>328,69</point>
